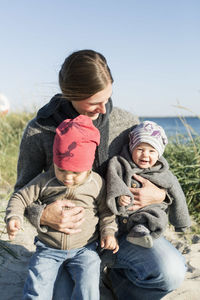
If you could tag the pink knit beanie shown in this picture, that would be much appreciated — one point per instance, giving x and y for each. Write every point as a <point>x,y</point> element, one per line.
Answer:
<point>75,144</point>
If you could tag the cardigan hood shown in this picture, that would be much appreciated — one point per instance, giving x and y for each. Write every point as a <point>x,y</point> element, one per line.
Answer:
<point>158,173</point>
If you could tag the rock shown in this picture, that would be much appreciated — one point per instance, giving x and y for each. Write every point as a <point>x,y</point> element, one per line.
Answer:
<point>195,239</point>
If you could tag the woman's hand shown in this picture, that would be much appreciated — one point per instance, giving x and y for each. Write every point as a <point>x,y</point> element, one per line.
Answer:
<point>63,216</point>
<point>148,194</point>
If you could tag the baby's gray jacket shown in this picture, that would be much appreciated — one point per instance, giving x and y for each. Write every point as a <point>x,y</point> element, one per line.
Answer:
<point>119,178</point>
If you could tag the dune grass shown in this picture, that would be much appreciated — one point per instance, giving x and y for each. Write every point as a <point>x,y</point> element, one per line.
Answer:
<point>11,131</point>
<point>184,161</point>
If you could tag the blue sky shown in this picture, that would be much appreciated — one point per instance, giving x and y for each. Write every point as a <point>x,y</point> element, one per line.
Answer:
<point>152,48</point>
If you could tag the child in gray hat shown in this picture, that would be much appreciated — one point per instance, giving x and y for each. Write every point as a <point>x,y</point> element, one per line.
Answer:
<point>143,156</point>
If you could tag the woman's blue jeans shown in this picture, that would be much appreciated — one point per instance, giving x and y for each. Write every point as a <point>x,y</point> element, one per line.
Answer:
<point>138,273</point>
<point>152,273</point>
<point>82,265</point>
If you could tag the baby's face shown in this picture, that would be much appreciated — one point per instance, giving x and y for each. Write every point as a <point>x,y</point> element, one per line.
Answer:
<point>144,155</point>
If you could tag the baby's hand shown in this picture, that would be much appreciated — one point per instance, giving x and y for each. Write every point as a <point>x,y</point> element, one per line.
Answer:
<point>13,226</point>
<point>110,243</point>
<point>124,200</point>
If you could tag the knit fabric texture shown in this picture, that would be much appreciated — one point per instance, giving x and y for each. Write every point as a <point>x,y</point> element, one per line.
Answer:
<point>148,132</point>
<point>75,144</point>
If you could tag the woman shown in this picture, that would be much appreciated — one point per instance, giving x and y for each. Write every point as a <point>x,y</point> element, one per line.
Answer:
<point>86,84</point>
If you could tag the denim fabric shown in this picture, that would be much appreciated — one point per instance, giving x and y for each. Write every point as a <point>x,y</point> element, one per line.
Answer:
<point>152,273</point>
<point>82,265</point>
<point>140,273</point>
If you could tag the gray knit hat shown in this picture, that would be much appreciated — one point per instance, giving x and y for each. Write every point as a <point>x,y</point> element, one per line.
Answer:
<point>148,132</point>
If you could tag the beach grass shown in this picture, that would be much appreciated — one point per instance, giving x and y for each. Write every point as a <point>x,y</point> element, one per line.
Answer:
<point>12,126</point>
<point>184,161</point>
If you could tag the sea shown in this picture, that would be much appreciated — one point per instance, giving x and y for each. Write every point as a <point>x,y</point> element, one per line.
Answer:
<point>177,127</point>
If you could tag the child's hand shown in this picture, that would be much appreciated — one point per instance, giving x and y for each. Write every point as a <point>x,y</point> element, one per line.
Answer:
<point>13,226</point>
<point>110,243</point>
<point>124,200</point>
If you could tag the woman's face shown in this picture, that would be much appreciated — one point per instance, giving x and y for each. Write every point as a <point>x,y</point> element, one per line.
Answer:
<point>94,105</point>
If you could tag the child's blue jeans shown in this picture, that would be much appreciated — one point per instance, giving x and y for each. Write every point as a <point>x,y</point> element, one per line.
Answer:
<point>83,265</point>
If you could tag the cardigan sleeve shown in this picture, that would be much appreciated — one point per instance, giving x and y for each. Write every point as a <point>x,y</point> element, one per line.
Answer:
<point>116,186</point>
<point>178,210</point>
<point>107,220</point>
<point>31,160</point>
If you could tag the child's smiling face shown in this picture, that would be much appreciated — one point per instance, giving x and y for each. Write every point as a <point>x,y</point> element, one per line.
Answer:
<point>144,155</point>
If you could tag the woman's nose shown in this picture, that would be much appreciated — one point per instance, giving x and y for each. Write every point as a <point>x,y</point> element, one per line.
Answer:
<point>102,108</point>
